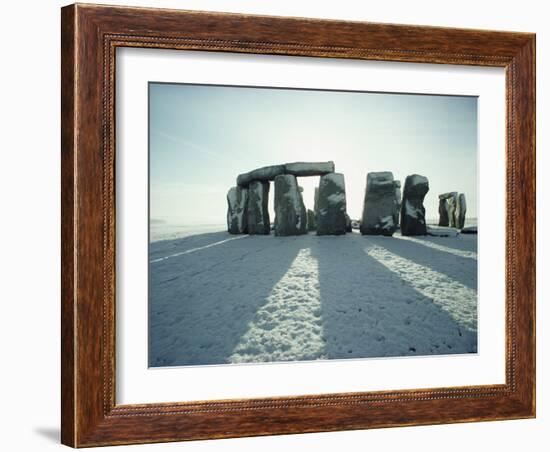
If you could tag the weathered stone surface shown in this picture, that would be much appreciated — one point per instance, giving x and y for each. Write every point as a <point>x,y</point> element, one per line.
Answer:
<point>309,168</point>
<point>413,213</point>
<point>443,214</point>
<point>381,204</point>
<point>460,213</point>
<point>311,223</point>
<point>290,212</point>
<point>316,203</point>
<point>348,224</point>
<point>268,173</point>
<point>258,212</point>
<point>469,230</point>
<point>331,219</point>
<point>237,215</point>
<point>264,174</point>
<point>441,231</point>
<point>447,208</point>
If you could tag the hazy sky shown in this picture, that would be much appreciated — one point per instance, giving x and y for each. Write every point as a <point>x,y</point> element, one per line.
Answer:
<point>202,137</point>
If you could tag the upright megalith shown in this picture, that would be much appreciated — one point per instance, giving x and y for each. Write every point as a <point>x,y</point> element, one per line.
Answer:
<point>311,223</point>
<point>448,203</point>
<point>316,203</point>
<point>443,212</point>
<point>268,173</point>
<point>413,213</point>
<point>258,212</point>
<point>331,204</point>
<point>460,215</point>
<point>349,228</point>
<point>237,214</point>
<point>381,204</point>
<point>290,212</point>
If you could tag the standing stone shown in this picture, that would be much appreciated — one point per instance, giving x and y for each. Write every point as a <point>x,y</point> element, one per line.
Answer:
<point>316,204</point>
<point>311,224</point>
<point>290,212</point>
<point>447,208</point>
<point>331,219</point>
<point>443,213</point>
<point>237,215</point>
<point>348,224</point>
<point>258,212</point>
<point>452,206</point>
<point>413,213</point>
<point>381,204</point>
<point>460,211</point>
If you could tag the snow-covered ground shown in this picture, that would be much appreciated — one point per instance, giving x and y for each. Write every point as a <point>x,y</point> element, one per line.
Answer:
<point>217,298</point>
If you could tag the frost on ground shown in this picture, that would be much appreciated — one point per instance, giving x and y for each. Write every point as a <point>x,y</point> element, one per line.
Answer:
<point>216,298</point>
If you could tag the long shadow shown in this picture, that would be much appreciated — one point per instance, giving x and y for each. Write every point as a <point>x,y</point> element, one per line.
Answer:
<point>461,269</point>
<point>461,242</point>
<point>201,304</point>
<point>165,247</point>
<point>369,311</point>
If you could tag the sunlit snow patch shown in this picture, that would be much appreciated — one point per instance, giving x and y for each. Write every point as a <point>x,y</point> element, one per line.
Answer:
<point>288,327</point>
<point>459,301</point>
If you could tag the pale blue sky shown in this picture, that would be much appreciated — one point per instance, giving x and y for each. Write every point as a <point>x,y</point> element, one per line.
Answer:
<point>202,137</point>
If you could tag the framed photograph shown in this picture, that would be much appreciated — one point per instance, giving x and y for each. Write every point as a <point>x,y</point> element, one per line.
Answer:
<point>281,225</point>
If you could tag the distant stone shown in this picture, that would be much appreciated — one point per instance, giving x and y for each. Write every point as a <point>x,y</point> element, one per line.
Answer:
<point>237,215</point>
<point>447,209</point>
<point>290,212</point>
<point>469,230</point>
<point>460,214</point>
<point>258,212</point>
<point>316,204</point>
<point>381,204</point>
<point>348,224</point>
<point>311,223</point>
<point>413,213</point>
<point>443,213</point>
<point>331,218</point>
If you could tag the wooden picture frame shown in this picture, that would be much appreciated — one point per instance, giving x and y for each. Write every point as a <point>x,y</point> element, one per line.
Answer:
<point>90,36</point>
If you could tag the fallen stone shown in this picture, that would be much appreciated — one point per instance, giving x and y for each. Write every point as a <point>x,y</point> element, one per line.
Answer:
<point>331,219</point>
<point>441,231</point>
<point>413,213</point>
<point>469,230</point>
<point>258,212</point>
<point>290,212</point>
<point>381,204</point>
<point>237,215</point>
